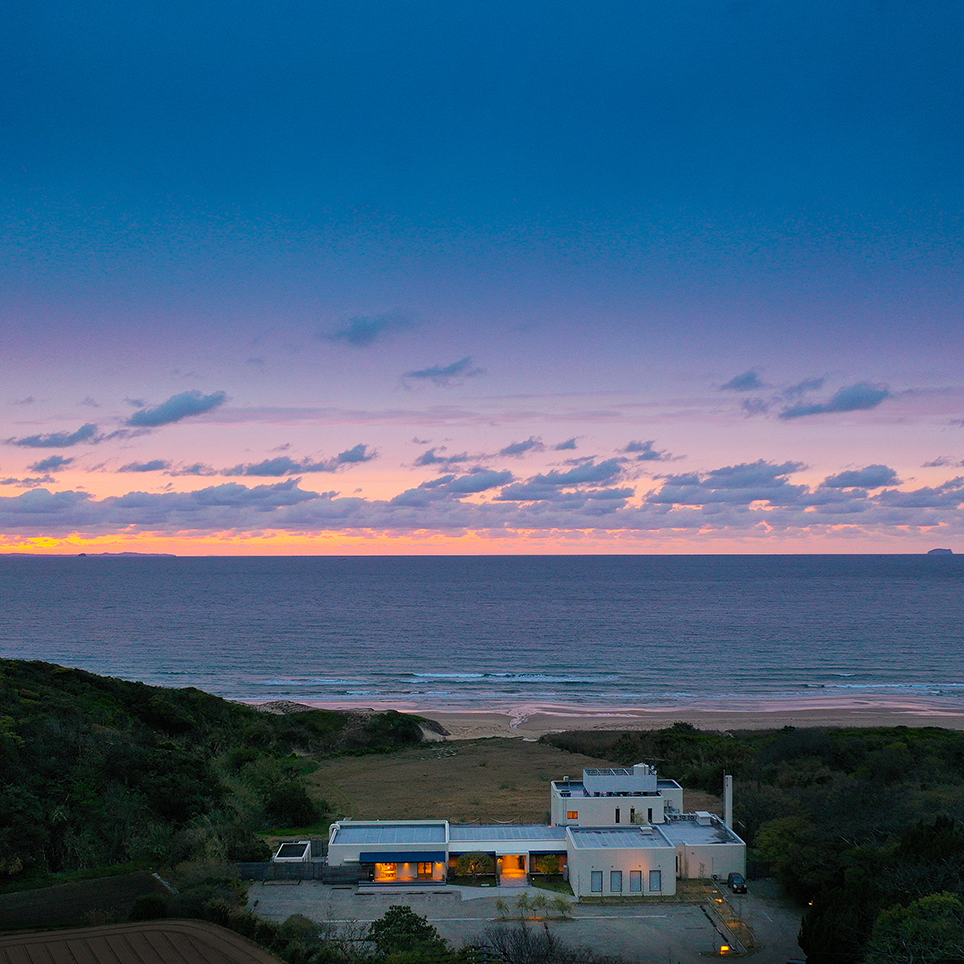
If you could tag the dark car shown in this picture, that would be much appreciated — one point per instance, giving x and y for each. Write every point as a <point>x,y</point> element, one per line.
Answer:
<point>736,883</point>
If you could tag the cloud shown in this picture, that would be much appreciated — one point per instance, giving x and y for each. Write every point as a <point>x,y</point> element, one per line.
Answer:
<point>520,448</point>
<point>646,452</point>
<point>155,465</point>
<point>854,398</point>
<point>29,400</point>
<point>196,468</point>
<point>431,457</point>
<point>550,484</point>
<point>948,495</point>
<point>745,483</point>
<point>28,483</point>
<point>358,453</point>
<point>452,487</point>
<point>57,440</point>
<point>446,375</point>
<point>747,382</point>
<point>752,500</point>
<point>362,331</point>
<point>566,446</point>
<point>871,477</point>
<point>754,406</point>
<point>940,462</point>
<point>284,465</point>
<point>89,402</point>
<point>177,407</point>
<point>802,388</point>
<point>52,464</point>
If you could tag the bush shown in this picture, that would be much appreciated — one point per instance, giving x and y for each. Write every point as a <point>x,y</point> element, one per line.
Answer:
<point>149,907</point>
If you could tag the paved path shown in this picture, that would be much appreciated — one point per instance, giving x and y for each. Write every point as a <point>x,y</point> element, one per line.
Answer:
<point>650,933</point>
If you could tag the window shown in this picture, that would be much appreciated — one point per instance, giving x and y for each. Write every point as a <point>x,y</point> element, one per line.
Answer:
<point>615,881</point>
<point>635,881</point>
<point>655,881</point>
<point>649,814</point>
<point>572,814</point>
<point>425,869</point>
<point>617,814</point>
<point>595,882</point>
<point>386,871</point>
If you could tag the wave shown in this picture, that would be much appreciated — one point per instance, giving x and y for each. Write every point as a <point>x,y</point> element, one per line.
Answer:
<point>521,677</point>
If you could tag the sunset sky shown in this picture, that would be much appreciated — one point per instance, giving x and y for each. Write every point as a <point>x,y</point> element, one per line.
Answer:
<point>331,277</point>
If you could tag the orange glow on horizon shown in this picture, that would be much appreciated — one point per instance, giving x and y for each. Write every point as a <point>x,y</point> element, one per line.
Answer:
<point>369,542</point>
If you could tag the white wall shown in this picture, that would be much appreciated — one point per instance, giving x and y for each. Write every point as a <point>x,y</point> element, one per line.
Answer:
<point>601,811</point>
<point>704,860</point>
<point>582,863</point>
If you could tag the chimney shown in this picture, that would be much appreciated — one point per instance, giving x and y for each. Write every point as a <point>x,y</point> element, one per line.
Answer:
<point>728,800</point>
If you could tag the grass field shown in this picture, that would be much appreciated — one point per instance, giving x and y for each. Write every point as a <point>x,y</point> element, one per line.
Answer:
<point>494,780</point>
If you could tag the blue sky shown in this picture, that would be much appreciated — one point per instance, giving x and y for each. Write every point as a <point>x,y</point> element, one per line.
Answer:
<point>429,258</point>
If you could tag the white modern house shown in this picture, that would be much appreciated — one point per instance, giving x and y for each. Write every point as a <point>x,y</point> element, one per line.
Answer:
<point>615,832</point>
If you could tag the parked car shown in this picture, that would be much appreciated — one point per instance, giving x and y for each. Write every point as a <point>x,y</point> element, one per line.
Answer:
<point>736,883</point>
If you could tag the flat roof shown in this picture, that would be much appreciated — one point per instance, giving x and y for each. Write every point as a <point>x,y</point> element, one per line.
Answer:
<point>390,833</point>
<point>685,830</point>
<point>615,838</point>
<point>609,772</point>
<point>293,849</point>
<point>499,831</point>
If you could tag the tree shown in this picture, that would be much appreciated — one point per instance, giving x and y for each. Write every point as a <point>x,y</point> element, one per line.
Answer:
<point>401,931</point>
<point>474,864</point>
<point>928,930</point>
<point>548,864</point>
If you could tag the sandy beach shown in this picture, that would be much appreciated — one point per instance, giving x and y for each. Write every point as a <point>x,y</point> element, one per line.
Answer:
<point>532,720</point>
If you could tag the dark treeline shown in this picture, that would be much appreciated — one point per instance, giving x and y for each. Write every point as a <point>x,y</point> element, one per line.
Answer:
<point>865,823</point>
<point>97,771</point>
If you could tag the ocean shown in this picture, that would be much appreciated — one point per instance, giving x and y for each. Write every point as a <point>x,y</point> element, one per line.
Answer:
<point>487,632</point>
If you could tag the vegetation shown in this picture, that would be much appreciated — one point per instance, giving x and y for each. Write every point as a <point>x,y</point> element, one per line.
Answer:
<point>98,771</point>
<point>474,865</point>
<point>864,825</point>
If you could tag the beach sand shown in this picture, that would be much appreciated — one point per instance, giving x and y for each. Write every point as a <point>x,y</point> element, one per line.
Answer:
<point>532,720</point>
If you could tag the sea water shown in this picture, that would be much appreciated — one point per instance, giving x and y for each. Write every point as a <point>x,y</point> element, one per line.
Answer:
<point>477,632</point>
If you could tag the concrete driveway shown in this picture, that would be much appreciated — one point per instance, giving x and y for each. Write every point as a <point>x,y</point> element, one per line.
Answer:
<point>653,933</point>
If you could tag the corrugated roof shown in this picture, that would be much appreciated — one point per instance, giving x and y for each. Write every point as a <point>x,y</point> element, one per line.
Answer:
<point>170,941</point>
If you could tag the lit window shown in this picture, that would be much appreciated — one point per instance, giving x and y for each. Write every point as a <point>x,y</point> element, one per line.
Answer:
<point>572,814</point>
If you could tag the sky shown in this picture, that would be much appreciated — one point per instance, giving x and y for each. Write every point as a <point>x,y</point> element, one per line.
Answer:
<point>294,277</point>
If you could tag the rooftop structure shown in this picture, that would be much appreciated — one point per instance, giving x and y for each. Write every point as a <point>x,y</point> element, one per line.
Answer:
<point>617,795</point>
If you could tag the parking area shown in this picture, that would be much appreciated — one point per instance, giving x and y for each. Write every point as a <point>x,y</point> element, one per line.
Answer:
<point>678,933</point>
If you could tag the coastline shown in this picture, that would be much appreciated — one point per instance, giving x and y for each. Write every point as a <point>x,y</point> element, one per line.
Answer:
<point>532,720</point>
